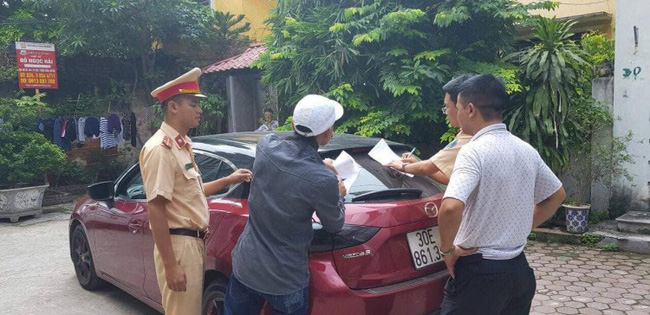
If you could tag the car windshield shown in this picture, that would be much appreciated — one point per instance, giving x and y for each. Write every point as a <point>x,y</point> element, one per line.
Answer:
<point>375,177</point>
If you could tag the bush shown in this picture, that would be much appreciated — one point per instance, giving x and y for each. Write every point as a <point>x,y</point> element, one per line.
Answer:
<point>26,158</point>
<point>598,216</point>
<point>102,167</point>
<point>70,173</point>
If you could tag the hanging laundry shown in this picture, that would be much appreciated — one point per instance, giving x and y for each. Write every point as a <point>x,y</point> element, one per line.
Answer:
<point>114,123</point>
<point>107,139</point>
<point>126,126</point>
<point>91,127</point>
<point>71,130</point>
<point>134,130</point>
<point>119,138</point>
<point>56,132</point>
<point>81,124</point>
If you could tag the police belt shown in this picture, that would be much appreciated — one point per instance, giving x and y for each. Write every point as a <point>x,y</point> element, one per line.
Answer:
<point>187,232</point>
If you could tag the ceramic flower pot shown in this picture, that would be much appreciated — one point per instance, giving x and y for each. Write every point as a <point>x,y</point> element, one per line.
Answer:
<point>577,218</point>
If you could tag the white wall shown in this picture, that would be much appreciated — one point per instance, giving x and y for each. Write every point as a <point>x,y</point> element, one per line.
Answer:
<point>632,92</point>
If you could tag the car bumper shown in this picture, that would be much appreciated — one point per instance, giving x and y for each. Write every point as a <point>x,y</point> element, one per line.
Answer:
<point>330,295</point>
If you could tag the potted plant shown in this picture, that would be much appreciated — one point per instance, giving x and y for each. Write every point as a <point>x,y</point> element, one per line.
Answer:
<point>26,157</point>
<point>596,157</point>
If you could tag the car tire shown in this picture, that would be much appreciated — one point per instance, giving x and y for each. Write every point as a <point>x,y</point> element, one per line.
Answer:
<point>83,262</point>
<point>213,298</point>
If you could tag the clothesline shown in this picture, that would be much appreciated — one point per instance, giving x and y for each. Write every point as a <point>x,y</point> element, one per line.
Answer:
<point>112,130</point>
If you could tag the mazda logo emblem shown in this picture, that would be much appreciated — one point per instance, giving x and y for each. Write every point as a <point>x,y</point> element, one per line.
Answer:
<point>431,209</point>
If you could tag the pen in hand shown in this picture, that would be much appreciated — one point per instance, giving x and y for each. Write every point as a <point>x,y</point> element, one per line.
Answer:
<point>410,153</point>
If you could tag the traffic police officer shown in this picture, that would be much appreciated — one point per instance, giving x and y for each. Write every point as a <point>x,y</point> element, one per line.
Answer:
<point>176,201</point>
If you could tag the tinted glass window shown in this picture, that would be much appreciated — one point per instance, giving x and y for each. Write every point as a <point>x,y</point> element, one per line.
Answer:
<point>131,186</point>
<point>214,167</point>
<point>376,177</point>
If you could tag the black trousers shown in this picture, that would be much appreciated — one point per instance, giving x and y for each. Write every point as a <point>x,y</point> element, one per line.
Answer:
<point>486,286</point>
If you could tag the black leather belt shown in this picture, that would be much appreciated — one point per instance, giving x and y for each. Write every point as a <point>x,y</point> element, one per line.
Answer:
<point>187,232</point>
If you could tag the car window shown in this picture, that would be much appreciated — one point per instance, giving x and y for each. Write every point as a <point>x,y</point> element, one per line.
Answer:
<point>376,177</point>
<point>131,186</point>
<point>214,167</point>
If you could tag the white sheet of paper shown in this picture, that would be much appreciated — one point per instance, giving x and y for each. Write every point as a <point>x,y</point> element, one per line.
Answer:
<point>383,154</point>
<point>347,168</point>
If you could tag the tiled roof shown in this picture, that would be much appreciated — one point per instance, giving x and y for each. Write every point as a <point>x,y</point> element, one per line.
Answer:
<point>242,61</point>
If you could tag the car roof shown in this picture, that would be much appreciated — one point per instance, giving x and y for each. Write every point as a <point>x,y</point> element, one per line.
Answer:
<point>248,141</point>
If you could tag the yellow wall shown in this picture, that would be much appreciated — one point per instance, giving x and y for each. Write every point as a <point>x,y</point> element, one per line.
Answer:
<point>570,8</point>
<point>255,12</point>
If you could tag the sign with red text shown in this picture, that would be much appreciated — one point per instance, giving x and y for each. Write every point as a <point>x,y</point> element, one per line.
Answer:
<point>36,66</point>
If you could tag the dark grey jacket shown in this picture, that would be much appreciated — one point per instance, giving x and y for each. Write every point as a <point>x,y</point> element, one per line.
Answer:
<point>290,183</point>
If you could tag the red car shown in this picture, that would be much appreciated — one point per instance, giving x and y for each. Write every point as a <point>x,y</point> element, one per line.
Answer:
<point>385,260</point>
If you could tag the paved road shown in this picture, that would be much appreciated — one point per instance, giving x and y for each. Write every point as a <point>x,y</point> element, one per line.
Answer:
<point>579,280</point>
<point>37,276</point>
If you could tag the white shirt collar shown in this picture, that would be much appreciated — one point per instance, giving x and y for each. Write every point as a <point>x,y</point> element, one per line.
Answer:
<point>489,128</point>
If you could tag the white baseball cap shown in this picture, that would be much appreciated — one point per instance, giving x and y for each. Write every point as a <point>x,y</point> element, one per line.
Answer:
<point>316,112</point>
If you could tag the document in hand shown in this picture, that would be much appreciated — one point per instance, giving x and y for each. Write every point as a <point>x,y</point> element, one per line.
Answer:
<point>383,154</point>
<point>347,168</point>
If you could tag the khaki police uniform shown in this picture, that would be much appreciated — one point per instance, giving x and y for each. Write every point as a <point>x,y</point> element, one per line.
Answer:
<point>169,171</point>
<point>446,157</point>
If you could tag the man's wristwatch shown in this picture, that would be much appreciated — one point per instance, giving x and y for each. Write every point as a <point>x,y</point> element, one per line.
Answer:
<point>449,252</point>
<point>404,167</point>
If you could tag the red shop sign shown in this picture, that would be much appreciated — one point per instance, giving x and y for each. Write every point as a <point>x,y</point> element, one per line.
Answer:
<point>36,66</point>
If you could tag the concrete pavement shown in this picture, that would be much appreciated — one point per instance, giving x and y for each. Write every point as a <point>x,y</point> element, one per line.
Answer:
<point>37,276</point>
<point>581,280</point>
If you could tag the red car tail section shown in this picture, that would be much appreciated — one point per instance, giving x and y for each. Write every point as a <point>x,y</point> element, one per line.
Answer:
<point>386,258</point>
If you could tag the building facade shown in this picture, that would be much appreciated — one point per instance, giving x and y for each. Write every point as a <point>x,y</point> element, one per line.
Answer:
<point>255,11</point>
<point>589,14</point>
<point>632,91</point>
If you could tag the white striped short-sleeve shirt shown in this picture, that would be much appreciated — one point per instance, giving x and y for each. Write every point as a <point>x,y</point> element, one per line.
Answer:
<point>499,178</point>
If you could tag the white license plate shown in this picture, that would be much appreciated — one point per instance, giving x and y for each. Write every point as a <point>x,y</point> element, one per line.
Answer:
<point>424,245</point>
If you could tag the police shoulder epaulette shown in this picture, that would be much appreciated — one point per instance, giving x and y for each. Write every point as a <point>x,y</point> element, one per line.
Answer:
<point>167,142</point>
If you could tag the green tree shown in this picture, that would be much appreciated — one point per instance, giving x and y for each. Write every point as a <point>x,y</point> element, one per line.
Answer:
<point>128,29</point>
<point>384,60</point>
<point>20,21</point>
<point>550,72</point>
<point>26,157</point>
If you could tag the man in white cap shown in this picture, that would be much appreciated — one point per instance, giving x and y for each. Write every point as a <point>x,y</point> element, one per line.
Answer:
<point>291,183</point>
<point>176,204</point>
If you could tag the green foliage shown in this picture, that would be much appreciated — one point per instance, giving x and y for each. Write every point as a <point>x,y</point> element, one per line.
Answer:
<point>599,49</point>
<point>89,104</point>
<point>142,30</point>
<point>20,21</point>
<point>287,125</point>
<point>598,216</point>
<point>589,239</point>
<point>70,173</point>
<point>229,29</point>
<point>20,113</point>
<point>532,236</point>
<point>595,157</point>
<point>611,248</point>
<point>26,157</point>
<point>214,108</point>
<point>103,167</point>
<point>550,71</point>
<point>384,60</point>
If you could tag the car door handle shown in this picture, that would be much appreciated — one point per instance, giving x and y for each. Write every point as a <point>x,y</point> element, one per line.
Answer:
<point>135,225</point>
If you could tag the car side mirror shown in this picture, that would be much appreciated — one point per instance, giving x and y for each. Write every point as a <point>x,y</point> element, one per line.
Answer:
<point>102,191</point>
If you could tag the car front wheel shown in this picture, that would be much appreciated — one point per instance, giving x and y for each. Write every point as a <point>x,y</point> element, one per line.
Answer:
<point>213,298</point>
<point>82,259</point>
